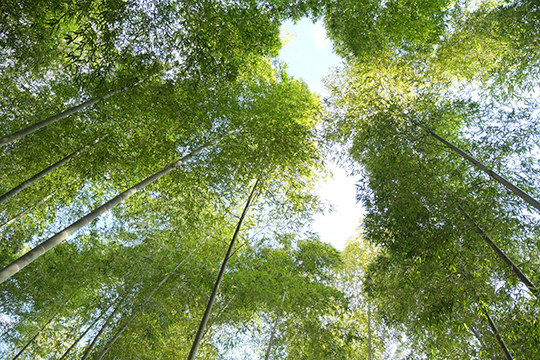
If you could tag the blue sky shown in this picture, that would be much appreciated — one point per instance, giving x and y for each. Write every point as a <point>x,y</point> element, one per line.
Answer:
<point>309,56</point>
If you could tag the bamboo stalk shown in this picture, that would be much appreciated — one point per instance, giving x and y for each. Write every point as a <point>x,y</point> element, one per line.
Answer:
<point>40,331</point>
<point>204,320</point>
<point>59,237</point>
<point>105,325</point>
<point>513,188</point>
<point>274,329</point>
<point>32,128</point>
<point>17,189</point>
<point>497,335</point>
<point>66,353</point>
<point>522,277</point>
<point>141,306</point>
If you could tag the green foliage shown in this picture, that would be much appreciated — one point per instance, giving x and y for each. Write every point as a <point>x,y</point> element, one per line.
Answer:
<point>418,276</point>
<point>433,270</point>
<point>364,29</point>
<point>113,265</point>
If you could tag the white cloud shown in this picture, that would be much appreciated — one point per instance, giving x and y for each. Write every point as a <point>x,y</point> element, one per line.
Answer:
<point>318,34</point>
<point>336,227</point>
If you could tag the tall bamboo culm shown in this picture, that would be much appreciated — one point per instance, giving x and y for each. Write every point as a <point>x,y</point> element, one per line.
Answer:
<point>32,128</point>
<point>59,237</point>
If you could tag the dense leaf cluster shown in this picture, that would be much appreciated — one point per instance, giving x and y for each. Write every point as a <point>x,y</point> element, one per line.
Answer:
<point>182,109</point>
<point>445,229</point>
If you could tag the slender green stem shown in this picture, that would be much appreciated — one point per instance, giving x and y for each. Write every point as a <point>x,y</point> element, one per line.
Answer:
<point>17,189</point>
<point>58,238</point>
<point>204,320</point>
<point>495,331</point>
<point>513,188</point>
<point>32,128</point>
<point>522,277</point>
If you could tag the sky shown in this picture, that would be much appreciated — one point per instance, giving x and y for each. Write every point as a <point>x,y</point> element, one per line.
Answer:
<point>309,56</point>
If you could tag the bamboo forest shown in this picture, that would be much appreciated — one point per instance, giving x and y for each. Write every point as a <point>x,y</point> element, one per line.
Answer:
<point>159,164</point>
